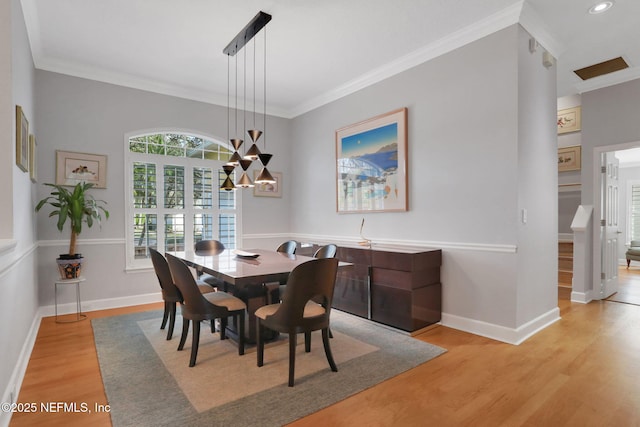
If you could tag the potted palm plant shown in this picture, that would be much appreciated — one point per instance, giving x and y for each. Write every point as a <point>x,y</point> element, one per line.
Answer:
<point>75,206</point>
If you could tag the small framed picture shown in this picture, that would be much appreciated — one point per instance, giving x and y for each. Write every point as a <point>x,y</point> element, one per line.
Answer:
<point>569,120</point>
<point>271,189</point>
<point>72,168</point>
<point>22,139</point>
<point>569,158</point>
<point>33,164</point>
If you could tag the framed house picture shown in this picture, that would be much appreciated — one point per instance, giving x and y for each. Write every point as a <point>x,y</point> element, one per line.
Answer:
<point>371,165</point>
<point>22,139</point>
<point>72,168</point>
<point>268,190</point>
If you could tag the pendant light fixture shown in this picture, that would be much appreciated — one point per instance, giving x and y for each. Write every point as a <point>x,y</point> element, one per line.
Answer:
<point>243,37</point>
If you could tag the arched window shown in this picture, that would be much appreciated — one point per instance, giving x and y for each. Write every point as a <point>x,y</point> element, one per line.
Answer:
<point>172,192</point>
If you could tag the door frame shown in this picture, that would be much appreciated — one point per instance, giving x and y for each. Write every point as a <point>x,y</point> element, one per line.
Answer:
<point>597,289</point>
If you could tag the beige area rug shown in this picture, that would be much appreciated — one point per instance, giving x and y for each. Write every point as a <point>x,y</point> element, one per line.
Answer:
<point>218,362</point>
<point>149,383</point>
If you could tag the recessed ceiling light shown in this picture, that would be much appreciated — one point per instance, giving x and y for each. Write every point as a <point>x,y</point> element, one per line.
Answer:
<point>603,6</point>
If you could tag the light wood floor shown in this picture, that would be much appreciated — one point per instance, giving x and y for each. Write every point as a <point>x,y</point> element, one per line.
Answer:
<point>581,371</point>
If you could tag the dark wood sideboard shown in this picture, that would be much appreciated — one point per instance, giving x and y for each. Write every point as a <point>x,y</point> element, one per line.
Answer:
<point>400,288</point>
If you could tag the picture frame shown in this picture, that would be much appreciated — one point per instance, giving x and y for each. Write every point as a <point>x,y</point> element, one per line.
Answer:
<point>569,158</point>
<point>268,190</point>
<point>569,120</point>
<point>371,165</point>
<point>73,168</point>
<point>33,164</point>
<point>22,140</point>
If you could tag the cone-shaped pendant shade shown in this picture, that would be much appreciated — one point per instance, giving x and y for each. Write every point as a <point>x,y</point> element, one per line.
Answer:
<point>227,185</point>
<point>264,158</point>
<point>235,159</point>
<point>245,181</point>
<point>245,163</point>
<point>236,143</point>
<point>264,177</point>
<point>254,134</point>
<point>252,153</point>
<point>228,169</point>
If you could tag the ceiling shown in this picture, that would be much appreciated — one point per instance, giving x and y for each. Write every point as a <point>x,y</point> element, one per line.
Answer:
<point>317,51</point>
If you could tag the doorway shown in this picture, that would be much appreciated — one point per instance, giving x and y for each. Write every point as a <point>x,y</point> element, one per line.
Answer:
<point>616,171</point>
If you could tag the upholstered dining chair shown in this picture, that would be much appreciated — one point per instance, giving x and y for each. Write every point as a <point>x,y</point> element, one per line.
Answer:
<point>210,247</point>
<point>327,251</point>
<point>197,307</point>
<point>170,293</point>
<point>298,313</point>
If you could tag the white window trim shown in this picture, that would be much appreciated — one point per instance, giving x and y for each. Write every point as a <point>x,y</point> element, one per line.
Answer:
<point>132,264</point>
<point>630,184</point>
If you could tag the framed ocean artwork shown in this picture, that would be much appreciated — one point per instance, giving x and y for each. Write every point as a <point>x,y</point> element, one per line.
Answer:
<point>371,165</point>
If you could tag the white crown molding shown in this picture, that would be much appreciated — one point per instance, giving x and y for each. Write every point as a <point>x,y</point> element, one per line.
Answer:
<point>530,20</point>
<point>489,25</point>
<point>471,33</point>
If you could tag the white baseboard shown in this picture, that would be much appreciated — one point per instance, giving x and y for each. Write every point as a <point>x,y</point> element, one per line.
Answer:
<point>10,395</point>
<point>508,335</point>
<point>581,297</point>
<point>102,304</point>
<point>13,389</point>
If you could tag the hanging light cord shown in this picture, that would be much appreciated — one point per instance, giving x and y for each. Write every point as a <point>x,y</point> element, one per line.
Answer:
<point>264,126</point>
<point>228,105</point>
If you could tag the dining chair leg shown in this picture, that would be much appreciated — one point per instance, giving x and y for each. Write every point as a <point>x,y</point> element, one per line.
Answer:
<point>165,315</point>
<point>259,342</point>
<point>240,323</point>
<point>293,338</point>
<point>185,331</point>
<point>172,319</point>
<point>327,349</point>
<point>307,342</point>
<point>195,341</point>
<point>223,327</point>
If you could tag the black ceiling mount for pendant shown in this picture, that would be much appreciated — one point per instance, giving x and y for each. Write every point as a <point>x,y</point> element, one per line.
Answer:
<point>247,33</point>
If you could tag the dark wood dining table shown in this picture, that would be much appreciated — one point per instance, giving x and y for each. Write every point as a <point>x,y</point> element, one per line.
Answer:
<point>246,276</point>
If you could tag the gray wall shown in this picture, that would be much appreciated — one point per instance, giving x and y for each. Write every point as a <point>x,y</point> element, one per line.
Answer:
<point>18,244</point>
<point>609,119</point>
<point>88,116</point>
<point>470,141</point>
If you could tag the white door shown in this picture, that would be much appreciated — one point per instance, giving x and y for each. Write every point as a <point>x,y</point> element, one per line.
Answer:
<point>609,226</point>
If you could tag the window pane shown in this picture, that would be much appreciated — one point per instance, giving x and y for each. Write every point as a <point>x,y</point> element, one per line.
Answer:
<point>635,212</point>
<point>202,188</point>
<point>202,227</point>
<point>174,232</point>
<point>227,230</point>
<point>175,145</point>
<point>144,185</point>
<point>174,187</point>
<point>226,199</point>
<point>145,234</point>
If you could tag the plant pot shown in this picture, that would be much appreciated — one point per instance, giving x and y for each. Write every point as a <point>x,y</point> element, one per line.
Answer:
<point>69,266</point>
